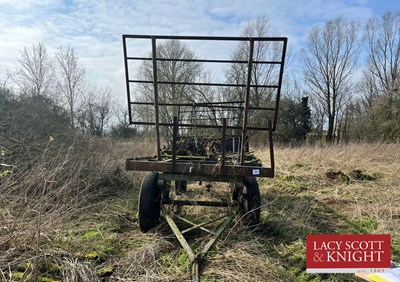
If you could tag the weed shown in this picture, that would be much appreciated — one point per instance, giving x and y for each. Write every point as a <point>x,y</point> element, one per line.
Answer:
<point>91,234</point>
<point>299,166</point>
<point>366,225</point>
<point>396,249</point>
<point>104,271</point>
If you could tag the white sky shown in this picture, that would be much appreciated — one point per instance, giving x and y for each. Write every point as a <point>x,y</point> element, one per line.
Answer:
<point>94,27</point>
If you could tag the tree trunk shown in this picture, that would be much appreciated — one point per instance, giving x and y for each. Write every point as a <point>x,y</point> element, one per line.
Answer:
<point>330,135</point>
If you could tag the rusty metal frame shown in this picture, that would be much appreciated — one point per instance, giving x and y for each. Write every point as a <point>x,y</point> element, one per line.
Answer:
<point>201,168</point>
<point>248,84</point>
<point>244,106</point>
<point>198,168</point>
<point>177,168</point>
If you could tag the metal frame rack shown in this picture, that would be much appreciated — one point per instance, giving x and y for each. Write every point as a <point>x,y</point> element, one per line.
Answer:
<point>165,169</point>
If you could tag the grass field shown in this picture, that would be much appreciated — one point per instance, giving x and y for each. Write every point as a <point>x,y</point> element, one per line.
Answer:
<point>72,216</point>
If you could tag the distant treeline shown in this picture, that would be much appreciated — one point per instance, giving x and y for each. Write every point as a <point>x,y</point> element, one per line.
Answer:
<point>343,86</point>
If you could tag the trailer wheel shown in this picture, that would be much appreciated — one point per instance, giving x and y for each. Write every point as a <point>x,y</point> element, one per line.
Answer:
<point>251,202</point>
<point>149,202</point>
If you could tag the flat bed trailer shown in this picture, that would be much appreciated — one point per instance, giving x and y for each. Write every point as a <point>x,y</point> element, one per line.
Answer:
<point>191,154</point>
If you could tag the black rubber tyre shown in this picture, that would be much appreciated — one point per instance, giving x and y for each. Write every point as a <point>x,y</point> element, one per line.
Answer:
<point>149,202</point>
<point>251,202</point>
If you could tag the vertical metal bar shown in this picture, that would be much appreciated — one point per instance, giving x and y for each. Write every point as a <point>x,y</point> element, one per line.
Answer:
<point>246,102</point>
<point>223,145</point>
<point>179,112</point>
<point>271,147</point>
<point>155,85</point>
<point>128,91</point>
<point>233,141</point>
<point>174,139</point>
<point>278,94</point>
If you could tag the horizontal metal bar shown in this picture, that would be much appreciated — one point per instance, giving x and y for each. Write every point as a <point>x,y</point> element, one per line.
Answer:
<point>196,203</point>
<point>200,225</point>
<point>203,178</point>
<point>199,125</point>
<point>203,60</point>
<point>214,105</point>
<point>201,83</point>
<point>189,104</point>
<point>218,38</point>
<point>198,168</point>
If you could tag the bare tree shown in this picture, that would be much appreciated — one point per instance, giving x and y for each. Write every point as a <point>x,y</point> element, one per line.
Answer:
<point>34,70</point>
<point>383,72</point>
<point>330,58</point>
<point>383,43</point>
<point>261,73</point>
<point>4,82</point>
<point>171,71</point>
<point>122,128</point>
<point>70,79</point>
<point>96,111</point>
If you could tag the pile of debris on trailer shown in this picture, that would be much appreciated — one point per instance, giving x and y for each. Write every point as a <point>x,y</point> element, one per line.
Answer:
<point>208,148</point>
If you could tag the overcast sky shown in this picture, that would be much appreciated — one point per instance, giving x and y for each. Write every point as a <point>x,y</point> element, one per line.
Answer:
<point>94,27</point>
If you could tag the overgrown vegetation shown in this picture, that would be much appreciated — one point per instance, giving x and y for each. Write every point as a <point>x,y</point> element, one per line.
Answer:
<point>71,215</point>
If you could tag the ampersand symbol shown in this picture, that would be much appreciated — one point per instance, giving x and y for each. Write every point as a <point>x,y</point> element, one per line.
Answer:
<point>318,257</point>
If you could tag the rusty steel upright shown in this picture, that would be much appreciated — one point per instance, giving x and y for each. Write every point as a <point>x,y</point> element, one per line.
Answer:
<point>247,101</point>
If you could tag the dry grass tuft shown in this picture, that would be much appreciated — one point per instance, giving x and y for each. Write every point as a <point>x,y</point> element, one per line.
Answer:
<point>62,188</point>
<point>246,257</point>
